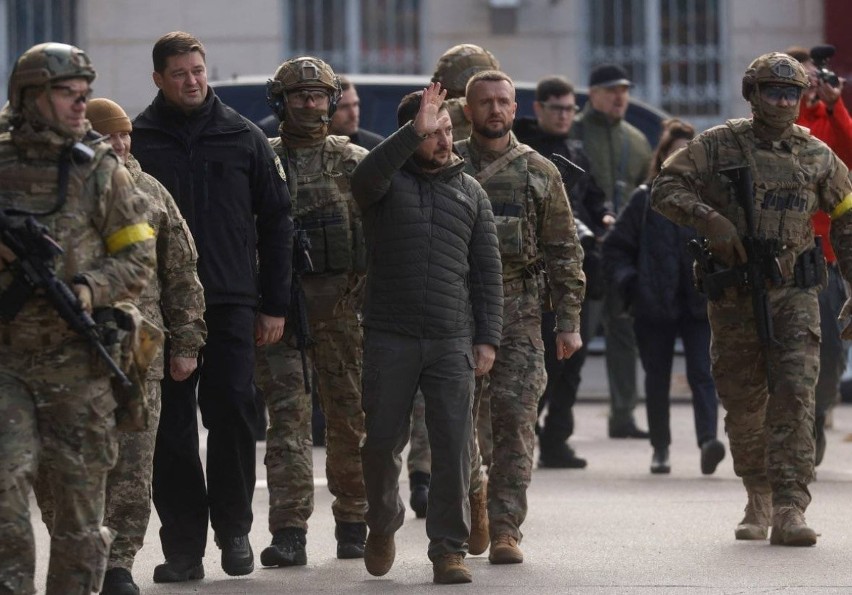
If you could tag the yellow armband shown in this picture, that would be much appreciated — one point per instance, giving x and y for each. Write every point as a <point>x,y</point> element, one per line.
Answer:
<point>842,207</point>
<point>131,234</point>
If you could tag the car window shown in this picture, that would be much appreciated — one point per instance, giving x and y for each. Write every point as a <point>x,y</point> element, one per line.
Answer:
<point>379,100</point>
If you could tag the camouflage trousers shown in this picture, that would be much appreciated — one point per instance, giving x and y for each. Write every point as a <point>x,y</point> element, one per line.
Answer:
<point>128,488</point>
<point>770,427</point>
<point>336,354</point>
<point>56,416</point>
<point>513,388</point>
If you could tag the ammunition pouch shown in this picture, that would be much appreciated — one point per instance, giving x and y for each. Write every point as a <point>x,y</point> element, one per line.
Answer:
<point>810,268</point>
<point>331,243</point>
<point>508,218</point>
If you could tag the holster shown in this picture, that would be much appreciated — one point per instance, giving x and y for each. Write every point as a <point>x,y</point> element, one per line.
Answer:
<point>134,342</point>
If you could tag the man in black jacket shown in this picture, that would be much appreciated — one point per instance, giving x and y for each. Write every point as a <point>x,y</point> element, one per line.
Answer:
<point>554,107</point>
<point>230,187</point>
<point>432,318</point>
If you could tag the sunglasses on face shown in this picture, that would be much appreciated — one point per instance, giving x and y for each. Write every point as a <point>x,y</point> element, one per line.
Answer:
<point>304,95</point>
<point>779,92</point>
<point>555,108</point>
<point>70,94</point>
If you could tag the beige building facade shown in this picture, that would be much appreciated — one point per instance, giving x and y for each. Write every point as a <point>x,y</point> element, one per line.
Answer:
<point>687,56</point>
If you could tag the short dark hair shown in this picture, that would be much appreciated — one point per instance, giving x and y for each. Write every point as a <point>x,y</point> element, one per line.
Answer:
<point>553,86</point>
<point>345,83</point>
<point>409,106</point>
<point>175,44</point>
<point>488,75</point>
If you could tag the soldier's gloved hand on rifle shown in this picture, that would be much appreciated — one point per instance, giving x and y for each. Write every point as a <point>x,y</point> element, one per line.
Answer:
<point>6,256</point>
<point>845,320</point>
<point>724,241</point>
<point>84,294</point>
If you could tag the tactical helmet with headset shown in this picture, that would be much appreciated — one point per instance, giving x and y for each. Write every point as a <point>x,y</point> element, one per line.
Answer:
<point>302,73</point>
<point>44,64</point>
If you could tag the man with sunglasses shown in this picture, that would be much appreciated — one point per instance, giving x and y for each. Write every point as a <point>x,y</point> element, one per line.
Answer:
<point>303,95</point>
<point>56,399</point>
<point>555,106</point>
<point>766,386</point>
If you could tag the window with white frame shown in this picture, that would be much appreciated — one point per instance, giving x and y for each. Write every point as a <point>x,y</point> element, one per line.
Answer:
<point>374,36</point>
<point>671,49</point>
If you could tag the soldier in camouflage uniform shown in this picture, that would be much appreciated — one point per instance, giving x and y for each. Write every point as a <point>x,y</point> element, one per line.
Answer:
<point>303,94</point>
<point>768,393</point>
<point>538,236</point>
<point>174,301</point>
<point>453,71</point>
<point>56,400</point>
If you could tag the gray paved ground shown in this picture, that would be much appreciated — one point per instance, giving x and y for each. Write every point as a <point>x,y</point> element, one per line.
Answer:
<point>611,528</point>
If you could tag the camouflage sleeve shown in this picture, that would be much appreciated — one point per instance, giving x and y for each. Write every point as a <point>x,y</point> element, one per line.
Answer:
<point>563,255</point>
<point>121,219</point>
<point>676,190</point>
<point>836,200</point>
<point>181,294</point>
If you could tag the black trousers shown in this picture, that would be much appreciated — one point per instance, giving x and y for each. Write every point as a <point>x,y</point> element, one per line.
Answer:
<point>656,342</point>
<point>563,382</point>
<point>226,398</point>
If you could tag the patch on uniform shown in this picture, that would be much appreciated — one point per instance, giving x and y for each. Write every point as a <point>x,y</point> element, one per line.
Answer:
<point>783,69</point>
<point>280,168</point>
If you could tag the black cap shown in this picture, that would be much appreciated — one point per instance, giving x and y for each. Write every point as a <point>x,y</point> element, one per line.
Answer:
<point>609,75</point>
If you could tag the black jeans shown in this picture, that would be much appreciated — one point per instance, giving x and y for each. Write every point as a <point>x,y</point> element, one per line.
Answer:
<point>225,396</point>
<point>394,367</point>
<point>656,340</point>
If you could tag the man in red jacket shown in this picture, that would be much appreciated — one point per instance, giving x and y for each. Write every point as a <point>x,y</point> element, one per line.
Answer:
<point>823,112</point>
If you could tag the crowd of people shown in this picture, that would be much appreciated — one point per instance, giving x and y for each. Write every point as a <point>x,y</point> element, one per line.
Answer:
<point>439,286</point>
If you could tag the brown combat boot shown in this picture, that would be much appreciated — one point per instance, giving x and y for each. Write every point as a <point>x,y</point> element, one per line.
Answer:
<point>450,569</point>
<point>789,527</point>
<point>379,554</point>
<point>505,550</point>
<point>477,543</point>
<point>758,511</point>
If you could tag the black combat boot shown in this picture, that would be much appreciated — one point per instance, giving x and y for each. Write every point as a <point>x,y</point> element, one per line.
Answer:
<point>559,456</point>
<point>712,453</point>
<point>419,483</point>
<point>351,538</point>
<point>237,555</point>
<point>287,549</point>
<point>118,581</point>
<point>660,461</point>
<point>178,569</point>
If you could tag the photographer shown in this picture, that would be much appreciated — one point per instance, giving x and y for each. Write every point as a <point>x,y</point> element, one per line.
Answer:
<point>823,112</point>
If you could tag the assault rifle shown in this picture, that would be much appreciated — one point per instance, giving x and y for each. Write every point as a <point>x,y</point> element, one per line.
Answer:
<point>35,251</point>
<point>570,171</point>
<point>762,269</point>
<point>299,309</point>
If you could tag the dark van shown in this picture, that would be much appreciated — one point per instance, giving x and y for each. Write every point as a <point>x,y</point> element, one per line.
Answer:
<point>380,95</point>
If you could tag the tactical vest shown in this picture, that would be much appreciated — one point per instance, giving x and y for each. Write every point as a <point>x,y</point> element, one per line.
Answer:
<point>323,205</point>
<point>785,187</point>
<point>30,183</point>
<point>514,207</point>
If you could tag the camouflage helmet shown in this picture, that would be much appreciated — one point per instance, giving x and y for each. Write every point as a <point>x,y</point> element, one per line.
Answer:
<point>44,64</point>
<point>459,63</point>
<point>773,68</point>
<point>302,73</point>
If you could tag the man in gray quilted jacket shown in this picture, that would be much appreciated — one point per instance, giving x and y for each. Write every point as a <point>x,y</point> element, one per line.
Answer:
<point>432,318</point>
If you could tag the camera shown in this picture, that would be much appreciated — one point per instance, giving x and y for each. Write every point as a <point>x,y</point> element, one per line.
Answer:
<point>820,55</point>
